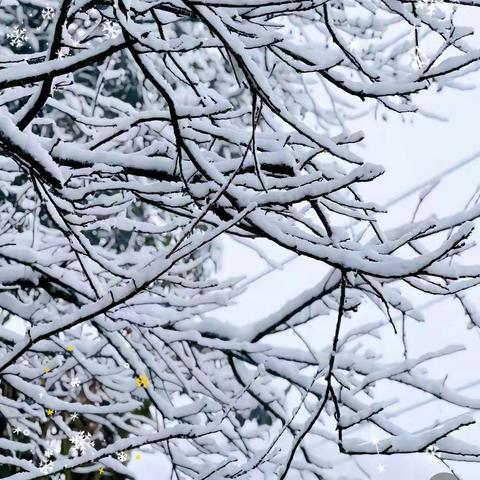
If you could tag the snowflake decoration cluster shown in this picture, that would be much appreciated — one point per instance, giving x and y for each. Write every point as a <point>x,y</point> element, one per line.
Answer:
<point>376,441</point>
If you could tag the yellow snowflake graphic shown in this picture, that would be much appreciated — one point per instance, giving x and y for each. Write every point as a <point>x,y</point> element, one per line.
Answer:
<point>70,348</point>
<point>142,381</point>
<point>50,412</point>
<point>101,471</point>
<point>138,456</point>
<point>46,370</point>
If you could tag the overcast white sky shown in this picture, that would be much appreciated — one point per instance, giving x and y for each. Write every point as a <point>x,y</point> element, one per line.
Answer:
<point>412,150</point>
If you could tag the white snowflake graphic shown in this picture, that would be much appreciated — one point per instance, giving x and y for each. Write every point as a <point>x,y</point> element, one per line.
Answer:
<point>48,453</point>
<point>75,382</point>
<point>46,467</point>
<point>74,416</point>
<point>111,30</point>
<point>122,456</point>
<point>18,36</point>
<point>48,13</point>
<point>81,442</point>
<point>17,430</point>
